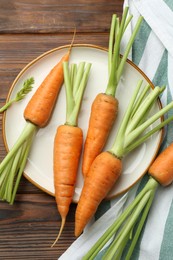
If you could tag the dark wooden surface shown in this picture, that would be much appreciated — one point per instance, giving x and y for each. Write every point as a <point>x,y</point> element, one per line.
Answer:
<point>28,28</point>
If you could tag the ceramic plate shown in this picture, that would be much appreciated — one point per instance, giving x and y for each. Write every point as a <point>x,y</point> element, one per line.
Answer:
<point>39,168</point>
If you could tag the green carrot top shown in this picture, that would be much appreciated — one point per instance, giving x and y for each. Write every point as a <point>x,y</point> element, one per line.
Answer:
<point>75,79</point>
<point>115,62</point>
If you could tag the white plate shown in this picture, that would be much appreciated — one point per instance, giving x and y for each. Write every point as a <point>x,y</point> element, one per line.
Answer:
<point>39,168</point>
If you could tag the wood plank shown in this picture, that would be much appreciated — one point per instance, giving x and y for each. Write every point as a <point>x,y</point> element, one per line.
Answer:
<point>17,50</point>
<point>37,16</point>
<point>30,226</point>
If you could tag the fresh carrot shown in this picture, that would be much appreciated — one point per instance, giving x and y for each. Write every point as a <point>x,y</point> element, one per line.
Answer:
<point>102,181</point>
<point>40,106</point>
<point>37,114</point>
<point>103,114</point>
<point>162,168</point>
<point>103,173</point>
<point>134,216</point>
<point>69,139</point>
<point>105,106</point>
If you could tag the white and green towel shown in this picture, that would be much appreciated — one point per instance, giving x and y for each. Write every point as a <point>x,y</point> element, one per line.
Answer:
<point>153,53</point>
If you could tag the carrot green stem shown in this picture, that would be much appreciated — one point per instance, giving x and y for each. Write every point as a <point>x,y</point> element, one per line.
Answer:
<point>118,40</point>
<point>69,91</point>
<point>112,83</point>
<point>140,99</point>
<point>129,45</point>
<point>140,225</point>
<point>79,95</point>
<point>21,169</point>
<point>26,133</point>
<point>134,211</point>
<point>11,168</point>
<point>11,176</point>
<point>143,138</point>
<point>75,89</point>
<point>127,22</point>
<point>140,129</point>
<point>117,147</point>
<point>136,120</point>
<point>7,105</point>
<point>116,244</point>
<point>78,79</point>
<point>73,74</point>
<point>115,63</point>
<point>111,41</point>
<point>144,108</point>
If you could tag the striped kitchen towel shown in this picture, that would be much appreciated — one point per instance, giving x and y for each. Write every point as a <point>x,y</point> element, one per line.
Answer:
<point>153,52</point>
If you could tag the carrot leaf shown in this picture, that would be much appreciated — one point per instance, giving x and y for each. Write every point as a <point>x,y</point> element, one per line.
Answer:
<point>27,87</point>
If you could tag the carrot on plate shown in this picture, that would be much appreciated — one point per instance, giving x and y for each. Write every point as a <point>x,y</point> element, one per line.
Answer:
<point>37,113</point>
<point>104,109</point>
<point>162,168</point>
<point>107,167</point>
<point>40,106</point>
<point>134,216</point>
<point>69,139</point>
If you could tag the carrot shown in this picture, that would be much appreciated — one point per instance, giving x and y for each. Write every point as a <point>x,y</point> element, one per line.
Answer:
<point>134,216</point>
<point>97,179</point>
<point>67,150</point>
<point>103,172</point>
<point>69,139</point>
<point>37,114</point>
<point>40,106</point>
<point>105,105</point>
<point>162,168</point>
<point>103,114</point>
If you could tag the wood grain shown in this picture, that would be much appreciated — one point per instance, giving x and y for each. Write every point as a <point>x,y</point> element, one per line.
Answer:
<point>52,16</point>
<point>30,234</point>
<point>28,28</point>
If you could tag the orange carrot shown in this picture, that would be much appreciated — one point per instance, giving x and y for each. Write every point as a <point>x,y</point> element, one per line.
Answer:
<point>67,150</point>
<point>40,107</point>
<point>103,114</point>
<point>162,167</point>
<point>97,177</point>
<point>105,108</point>
<point>69,139</point>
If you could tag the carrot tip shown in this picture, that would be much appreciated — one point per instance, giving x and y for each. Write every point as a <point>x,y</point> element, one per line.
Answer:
<point>72,42</point>
<point>60,231</point>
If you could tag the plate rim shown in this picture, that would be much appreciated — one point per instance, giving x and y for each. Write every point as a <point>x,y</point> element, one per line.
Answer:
<point>74,46</point>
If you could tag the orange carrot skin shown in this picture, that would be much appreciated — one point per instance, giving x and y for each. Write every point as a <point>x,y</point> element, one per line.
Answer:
<point>67,150</point>
<point>103,114</point>
<point>162,167</point>
<point>40,106</point>
<point>104,172</point>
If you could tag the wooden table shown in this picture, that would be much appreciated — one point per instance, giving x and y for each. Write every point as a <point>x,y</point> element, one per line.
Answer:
<point>28,28</point>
